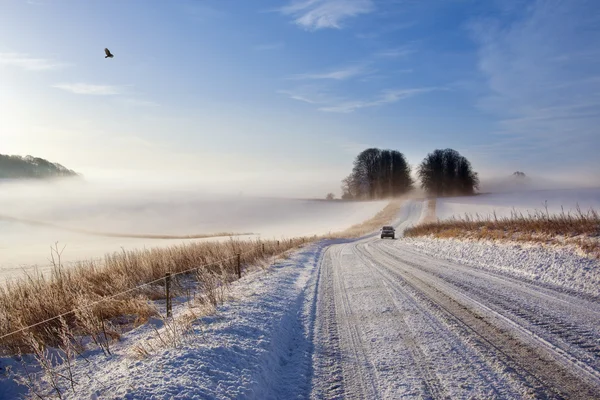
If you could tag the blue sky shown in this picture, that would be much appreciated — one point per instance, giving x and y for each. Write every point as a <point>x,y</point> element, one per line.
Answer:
<point>281,95</point>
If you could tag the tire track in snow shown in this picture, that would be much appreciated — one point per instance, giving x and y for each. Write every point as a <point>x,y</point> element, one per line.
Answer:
<point>358,372</point>
<point>569,323</point>
<point>433,388</point>
<point>326,353</point>
<point>430,362</point>
<point>536,361</point>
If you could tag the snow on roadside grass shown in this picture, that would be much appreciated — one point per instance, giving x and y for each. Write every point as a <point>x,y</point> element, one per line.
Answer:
<point>254,346</point>
<point>561,267</point>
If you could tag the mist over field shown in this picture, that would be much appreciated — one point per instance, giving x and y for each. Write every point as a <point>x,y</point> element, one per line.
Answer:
<point>505,203</point>
<point>147,210</point>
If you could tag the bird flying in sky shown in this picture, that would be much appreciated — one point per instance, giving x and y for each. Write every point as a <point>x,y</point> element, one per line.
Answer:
<point>108,53</point>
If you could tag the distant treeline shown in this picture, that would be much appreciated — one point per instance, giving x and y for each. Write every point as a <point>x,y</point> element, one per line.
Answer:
<point>28,167</point>
<point>379,174</point>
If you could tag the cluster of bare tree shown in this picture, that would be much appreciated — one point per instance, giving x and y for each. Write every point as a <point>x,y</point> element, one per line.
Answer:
<point>447,173</point>
<point>378,174</point>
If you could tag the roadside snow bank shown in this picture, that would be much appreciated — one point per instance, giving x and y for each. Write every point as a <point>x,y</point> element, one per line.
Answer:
<point>560,267</point>
<point>257,345</point>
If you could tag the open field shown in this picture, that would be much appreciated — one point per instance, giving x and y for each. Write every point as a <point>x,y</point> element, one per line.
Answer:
<point>149,212</point>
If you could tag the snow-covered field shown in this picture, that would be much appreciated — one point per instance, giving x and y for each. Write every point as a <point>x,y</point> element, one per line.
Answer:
<point>145,211</point>
<point>379,319</point>
<point>521,201</point>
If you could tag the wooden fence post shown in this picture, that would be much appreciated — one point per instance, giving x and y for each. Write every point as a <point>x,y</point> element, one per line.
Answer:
<point>239,266</point>
<point>263,248</point>
<point>168,292</point>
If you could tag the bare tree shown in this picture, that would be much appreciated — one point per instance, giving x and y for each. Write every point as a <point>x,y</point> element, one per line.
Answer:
<point>378,174</point>
<point>447,173</point>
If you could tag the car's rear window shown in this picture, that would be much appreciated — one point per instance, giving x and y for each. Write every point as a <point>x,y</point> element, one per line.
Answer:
<point>388,227</point>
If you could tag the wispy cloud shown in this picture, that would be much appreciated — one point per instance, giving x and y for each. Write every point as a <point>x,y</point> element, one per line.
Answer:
<point>348,72</point>
<point>270,46</point>
<point>385,97</point>
<point>312,95</point>
<point>329,103</point>
<point>542,81</point>
<point>320,14</point>
<point>89,89</point>
<point>29,63</point>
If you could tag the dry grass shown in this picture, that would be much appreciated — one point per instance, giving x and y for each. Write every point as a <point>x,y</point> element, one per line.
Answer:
<point>30,300</point>
<point>579,229</point>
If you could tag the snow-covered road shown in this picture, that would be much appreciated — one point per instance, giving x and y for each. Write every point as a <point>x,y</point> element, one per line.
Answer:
<point>392,322</point>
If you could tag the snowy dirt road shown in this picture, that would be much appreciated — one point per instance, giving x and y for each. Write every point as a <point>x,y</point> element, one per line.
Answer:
<point>394,323</point>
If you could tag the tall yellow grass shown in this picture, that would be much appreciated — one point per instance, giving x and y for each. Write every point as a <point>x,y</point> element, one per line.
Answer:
<point>579,228</point>
<point>35,298</point>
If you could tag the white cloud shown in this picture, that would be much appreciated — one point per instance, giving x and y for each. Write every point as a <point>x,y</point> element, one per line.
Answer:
<point>89,89</point>
<point>29,63</point>
<point>320,14</point>
<point>270,46</point>
<point>385,97</point>
<point>334,104</point>
<point>299,97</point>
<point>312,95</point>
<point>340,74</point>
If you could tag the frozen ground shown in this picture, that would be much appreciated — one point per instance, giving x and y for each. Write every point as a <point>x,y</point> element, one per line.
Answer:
<point>167,212</point>
<point>373,319</point>
<point>522,201</point>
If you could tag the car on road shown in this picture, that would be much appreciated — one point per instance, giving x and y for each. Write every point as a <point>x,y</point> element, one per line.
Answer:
<point>388,231</point>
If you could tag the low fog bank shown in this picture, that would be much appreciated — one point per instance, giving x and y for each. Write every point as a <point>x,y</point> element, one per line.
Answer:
<point>512,183</point>
<point>149,209</point>
<point>504,203</point>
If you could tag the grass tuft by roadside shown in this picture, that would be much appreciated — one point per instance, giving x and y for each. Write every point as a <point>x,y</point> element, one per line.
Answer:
<point>580,229</point>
